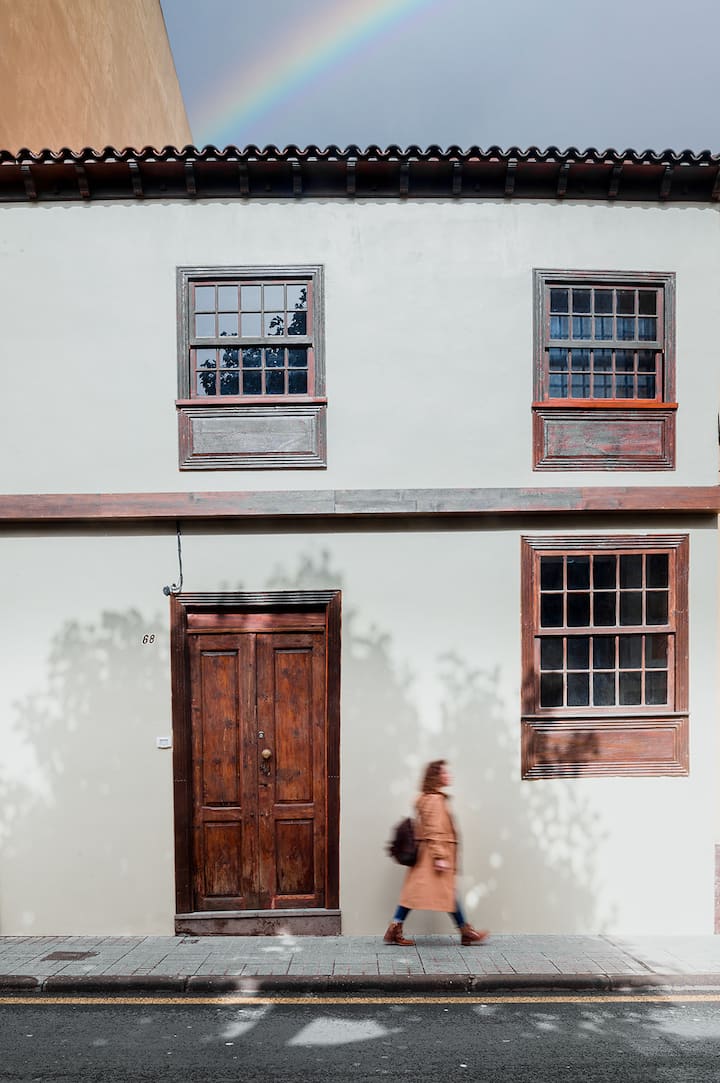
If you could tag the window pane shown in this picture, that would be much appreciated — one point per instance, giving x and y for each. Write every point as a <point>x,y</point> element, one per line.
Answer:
<point>297,357</point>
<point>604,608</point>
<point>250,325</point>
<point>647,328</point>
<point>551,690</point>
<point>205,359</point>
<point>558,385</point>
<point>603,360</point>
<point>578,652</point>
<point>582,327</point>
<point>205,383</point>
<point>252,357</point>
<point>297,297</point>
<point>250,298</point>
<point>656,652</point>
<point>274,323</point>
<point>626,302</point>
<point>624,387</point>
<point>229,359</point>
<point>227,323</point>
<point>578,573</point>
<point>551,573</point>
<point>559,359</point>
<point>657,569</point>
<point>229,383</point>
<point>646,387</point>
<point>581,300</point>
<point>578,689</point>
<point>624,360</point>
<point>604,569</point>
<point>551,610</point>
<point>603,301</point>
<point>273,297</point>
<point>298,323</point>
<point>603,327</point>
<point>227,298</point>
<point>580,361</point>
<point>275,382</point>
<point>559,300</point>
<point>631,570</point>
<point>630,650</point>
<point>204,298</point>
<point>559,327</point>
<point>630,607</point>
<point>581,385</point>
<point>603,652</point>
<point>251,382</point>
<point>205,326</point>
<point>657,607</point>
<point>646,361</point>
<point>625,328</point>
<point>656,688</point>
<point>578,610</point>
<point>297,382</point>
<point>604,689</point>
<point>647,302</point>
<point>551,653</point>
<point>274,359</point>
<point>630,688</point>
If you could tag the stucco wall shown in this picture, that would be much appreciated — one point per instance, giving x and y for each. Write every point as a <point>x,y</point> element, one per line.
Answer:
<point>88,73</point>
<point>430,667</point>
<point>429,335</point>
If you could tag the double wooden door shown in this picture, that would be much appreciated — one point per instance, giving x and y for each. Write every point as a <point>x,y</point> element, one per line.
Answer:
<point>258,736</point>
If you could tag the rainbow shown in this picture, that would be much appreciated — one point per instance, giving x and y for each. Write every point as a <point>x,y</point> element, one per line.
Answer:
<point>310,48</point>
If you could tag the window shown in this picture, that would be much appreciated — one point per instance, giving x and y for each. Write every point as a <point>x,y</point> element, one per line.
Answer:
<point>251,372</point>
<point>604,656</point>
<point>604,371</point>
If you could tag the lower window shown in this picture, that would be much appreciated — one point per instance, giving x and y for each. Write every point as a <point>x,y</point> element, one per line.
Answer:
<point>605,656</point>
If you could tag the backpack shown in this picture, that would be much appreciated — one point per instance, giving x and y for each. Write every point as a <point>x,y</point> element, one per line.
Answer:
<point>403,846</point>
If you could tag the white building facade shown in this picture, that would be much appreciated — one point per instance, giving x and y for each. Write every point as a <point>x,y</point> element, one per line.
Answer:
<point>434,437</point>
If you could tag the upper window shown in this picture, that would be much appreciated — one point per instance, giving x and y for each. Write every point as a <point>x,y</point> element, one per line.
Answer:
<point>605,655</point>
<point>604,370</point>
<point>251,372</point>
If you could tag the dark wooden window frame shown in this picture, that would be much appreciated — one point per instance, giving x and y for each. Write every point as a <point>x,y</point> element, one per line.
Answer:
<point>603,434</point>
<point>326,922</point>
<point>571,742</point>
<point>256,432</point>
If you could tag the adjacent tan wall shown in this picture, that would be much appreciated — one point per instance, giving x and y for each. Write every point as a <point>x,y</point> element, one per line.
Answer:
<point>87,73</point>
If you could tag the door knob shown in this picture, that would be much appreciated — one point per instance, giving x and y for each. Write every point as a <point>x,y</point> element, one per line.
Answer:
<point>266,754</point>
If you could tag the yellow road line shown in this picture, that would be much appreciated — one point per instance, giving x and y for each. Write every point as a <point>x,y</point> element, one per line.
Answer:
<point>231,999</point>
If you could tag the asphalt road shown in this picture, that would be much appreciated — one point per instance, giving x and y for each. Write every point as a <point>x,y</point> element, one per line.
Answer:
<point>493,1041</point>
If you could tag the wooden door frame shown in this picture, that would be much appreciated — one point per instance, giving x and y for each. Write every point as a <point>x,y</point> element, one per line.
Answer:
<point>317,922</point>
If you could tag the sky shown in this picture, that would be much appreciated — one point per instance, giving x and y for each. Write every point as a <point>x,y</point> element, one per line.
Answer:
<point>616,73</point>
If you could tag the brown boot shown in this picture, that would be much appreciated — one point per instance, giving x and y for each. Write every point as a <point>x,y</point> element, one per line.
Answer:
<point>394,935</point>
<point>470,936</point>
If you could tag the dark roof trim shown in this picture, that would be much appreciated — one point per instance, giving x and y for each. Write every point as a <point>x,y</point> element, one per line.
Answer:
<point>374,173</point>
<point>354,504</point>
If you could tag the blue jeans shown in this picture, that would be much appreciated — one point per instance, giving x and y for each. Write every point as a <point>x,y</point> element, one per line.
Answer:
<point>457,915</point>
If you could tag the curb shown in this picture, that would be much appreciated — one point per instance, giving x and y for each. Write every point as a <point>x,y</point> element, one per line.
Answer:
<point>355,984</point>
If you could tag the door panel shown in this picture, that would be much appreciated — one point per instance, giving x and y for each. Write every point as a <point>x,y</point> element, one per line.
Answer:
<point>259,822</point>
<point>291,795</point>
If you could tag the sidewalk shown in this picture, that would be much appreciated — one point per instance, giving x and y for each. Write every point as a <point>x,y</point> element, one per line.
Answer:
<point>314,964</point>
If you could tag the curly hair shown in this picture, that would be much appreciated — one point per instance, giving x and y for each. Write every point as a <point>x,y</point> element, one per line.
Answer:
<point>431,779</point>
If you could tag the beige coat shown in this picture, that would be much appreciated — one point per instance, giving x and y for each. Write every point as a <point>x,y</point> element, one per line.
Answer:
<point>425,888</point>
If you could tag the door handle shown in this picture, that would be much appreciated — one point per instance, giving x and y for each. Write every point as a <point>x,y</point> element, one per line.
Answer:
<point>266,757</point>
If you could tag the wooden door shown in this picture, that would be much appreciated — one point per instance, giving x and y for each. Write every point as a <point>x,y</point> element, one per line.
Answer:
<point>258,708</point>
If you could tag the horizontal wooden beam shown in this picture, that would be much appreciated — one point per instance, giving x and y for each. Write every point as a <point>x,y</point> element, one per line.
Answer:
<point>354,503</point>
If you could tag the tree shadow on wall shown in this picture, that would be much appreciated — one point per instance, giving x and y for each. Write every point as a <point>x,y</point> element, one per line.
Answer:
<point>82,833</point>
<point>528,846</point>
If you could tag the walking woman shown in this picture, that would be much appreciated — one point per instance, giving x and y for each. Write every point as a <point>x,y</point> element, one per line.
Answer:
<point>430,883</point>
